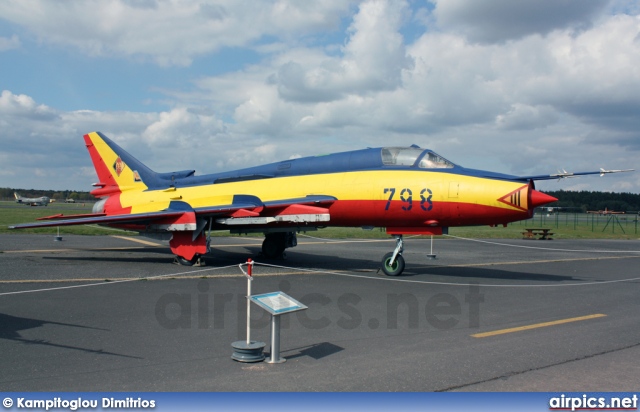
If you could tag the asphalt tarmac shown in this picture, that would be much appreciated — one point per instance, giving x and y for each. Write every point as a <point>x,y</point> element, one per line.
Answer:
<point>113,314</point>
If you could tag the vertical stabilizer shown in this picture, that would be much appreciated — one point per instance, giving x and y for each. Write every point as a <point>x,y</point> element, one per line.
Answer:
<point>117,170</point>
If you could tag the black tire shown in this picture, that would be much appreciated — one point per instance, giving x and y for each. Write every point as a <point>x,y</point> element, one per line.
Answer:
<point>392,270</point>
<point>187,262</point>
<point>273,245</point>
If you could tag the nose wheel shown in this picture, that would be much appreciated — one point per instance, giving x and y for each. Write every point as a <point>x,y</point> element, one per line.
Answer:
<point>393,262</point>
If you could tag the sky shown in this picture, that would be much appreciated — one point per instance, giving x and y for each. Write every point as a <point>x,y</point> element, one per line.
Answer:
<point>520,87</point>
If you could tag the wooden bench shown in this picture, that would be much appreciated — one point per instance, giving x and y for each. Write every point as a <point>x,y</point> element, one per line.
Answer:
<point>537,233</point>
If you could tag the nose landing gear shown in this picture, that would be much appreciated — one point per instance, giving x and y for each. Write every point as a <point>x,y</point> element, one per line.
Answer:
<point>393,262</point>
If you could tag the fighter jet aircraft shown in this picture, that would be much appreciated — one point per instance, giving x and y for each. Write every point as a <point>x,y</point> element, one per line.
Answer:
<point>36,201</point>
<point>407,190</point>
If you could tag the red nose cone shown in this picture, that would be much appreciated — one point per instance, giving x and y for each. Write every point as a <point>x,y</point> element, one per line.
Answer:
<point>539,199</point>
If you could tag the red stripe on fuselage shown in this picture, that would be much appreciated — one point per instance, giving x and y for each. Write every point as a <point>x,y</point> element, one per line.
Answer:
<point>373,213</point>
<point>114,207</point>
<point>353,213</point>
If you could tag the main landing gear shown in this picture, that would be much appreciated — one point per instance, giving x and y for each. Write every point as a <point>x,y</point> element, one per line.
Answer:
<point>393,262</point>
<point>188,248</point>
<point>195,260</point>
<point>275,243</point>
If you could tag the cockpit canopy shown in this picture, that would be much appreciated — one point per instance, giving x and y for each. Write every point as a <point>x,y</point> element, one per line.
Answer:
<point>408,156</point>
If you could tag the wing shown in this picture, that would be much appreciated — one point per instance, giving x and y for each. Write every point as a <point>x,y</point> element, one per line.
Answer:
<point>244,209</point>
<point>98,218</point>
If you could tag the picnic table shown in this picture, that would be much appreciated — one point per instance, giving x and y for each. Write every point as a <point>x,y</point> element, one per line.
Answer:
<point>537,233</point>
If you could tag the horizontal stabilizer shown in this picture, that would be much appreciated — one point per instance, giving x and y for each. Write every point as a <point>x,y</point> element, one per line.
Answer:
<point>60,216</point>
<point>101,219</point>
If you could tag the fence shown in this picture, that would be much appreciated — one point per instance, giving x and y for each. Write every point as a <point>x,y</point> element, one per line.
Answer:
<point>612,223</point>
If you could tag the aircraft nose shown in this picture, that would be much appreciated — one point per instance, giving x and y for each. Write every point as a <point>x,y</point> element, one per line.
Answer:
<point>539,199</point>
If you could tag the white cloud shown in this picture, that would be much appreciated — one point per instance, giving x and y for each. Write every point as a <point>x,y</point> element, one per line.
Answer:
<point>522,116</point>
<point>372,60</point>
<point>171,32</point>
<point>22,106</point>
<point>10,43</point>
<point>557,94</point>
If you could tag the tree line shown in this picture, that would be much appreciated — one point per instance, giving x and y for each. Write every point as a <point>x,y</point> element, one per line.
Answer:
<point>593,201</point>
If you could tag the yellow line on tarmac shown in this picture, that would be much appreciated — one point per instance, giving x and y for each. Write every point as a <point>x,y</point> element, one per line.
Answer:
<point>134,239</point>
<point>537,325</point>
<point>70,250</point>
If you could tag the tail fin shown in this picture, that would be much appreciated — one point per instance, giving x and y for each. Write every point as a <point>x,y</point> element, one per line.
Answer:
<point>117,170</point>
<point>17,196</point>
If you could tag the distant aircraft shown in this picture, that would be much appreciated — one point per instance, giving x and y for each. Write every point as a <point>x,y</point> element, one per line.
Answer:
<point>605,212</point>
<point>552,210</point>
<point>37,201</point>
<point>407,190</point>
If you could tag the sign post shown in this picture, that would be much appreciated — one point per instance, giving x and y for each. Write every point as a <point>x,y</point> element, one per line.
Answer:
<point>277,304</point>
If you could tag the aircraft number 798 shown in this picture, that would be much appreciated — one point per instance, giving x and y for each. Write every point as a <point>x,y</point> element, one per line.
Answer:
<point>406,196</point>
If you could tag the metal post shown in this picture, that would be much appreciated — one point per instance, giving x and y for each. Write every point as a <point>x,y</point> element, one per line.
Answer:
<point>249,306</point>
<point>431,255</point>
<point>58,237</point>
<point>275,340</point>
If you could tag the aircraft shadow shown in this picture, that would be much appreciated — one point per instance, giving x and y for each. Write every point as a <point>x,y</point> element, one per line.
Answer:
<point>159,260</point>
<point>336,263</point>
<point>142,255</point>
<point>484,273</point>
<point>295,258</point>
<point>10,327</point>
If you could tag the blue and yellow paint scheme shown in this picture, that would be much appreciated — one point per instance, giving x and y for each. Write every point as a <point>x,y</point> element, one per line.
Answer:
<point>407,190</point>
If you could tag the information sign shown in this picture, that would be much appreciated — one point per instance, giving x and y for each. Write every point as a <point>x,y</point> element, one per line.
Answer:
<point>277,303</point>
